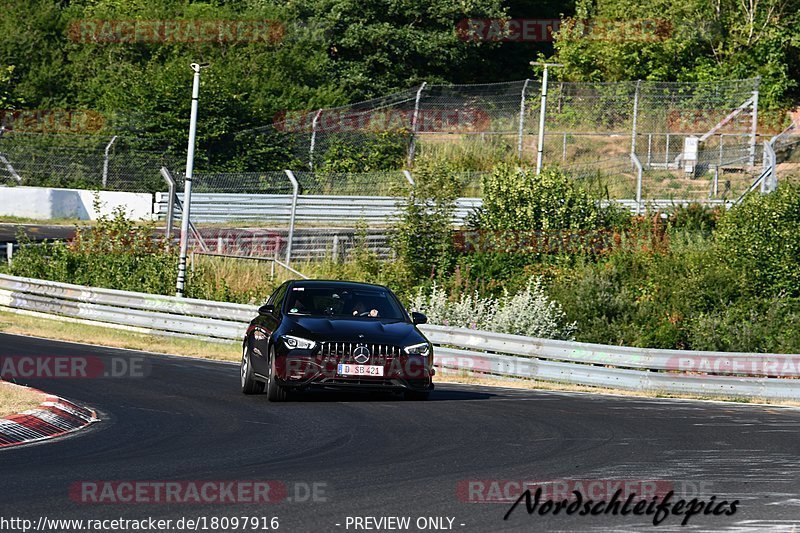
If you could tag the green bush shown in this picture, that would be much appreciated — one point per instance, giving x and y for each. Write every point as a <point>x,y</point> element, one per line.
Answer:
<point>367,152</point>
<point>762,238</point>
<point>518,199</point>
<point>114,253</point>
<point>423,240</point>
<point>751,325</point>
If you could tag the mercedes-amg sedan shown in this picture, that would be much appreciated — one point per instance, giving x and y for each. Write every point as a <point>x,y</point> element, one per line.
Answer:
<point>335,334</point>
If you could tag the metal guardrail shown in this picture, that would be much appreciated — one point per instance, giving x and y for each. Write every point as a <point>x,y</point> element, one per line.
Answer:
<point>225,207</point>
<point>458,350</point>
<point>331,209</point>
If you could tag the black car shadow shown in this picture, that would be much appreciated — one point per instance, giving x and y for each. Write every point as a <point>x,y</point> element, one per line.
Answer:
<point>438,395</point>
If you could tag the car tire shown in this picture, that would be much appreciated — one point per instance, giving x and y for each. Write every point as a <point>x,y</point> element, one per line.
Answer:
<point>275,392</point>
<point>415,395</point>
<point>249,384</point>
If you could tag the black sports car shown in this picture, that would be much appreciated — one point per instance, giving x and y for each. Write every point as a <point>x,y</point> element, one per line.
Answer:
<point>335,334</point>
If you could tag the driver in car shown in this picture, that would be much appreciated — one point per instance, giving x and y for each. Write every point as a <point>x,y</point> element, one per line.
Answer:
<point>360,309</point>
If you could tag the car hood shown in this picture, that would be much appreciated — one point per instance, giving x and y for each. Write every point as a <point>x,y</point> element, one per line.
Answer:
<point>348,330</point>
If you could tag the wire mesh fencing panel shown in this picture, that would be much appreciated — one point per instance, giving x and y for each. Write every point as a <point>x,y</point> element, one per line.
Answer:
<point>262,214</point>
<point>85,161</point>
<point>473,126</point>
<point>696,139</point>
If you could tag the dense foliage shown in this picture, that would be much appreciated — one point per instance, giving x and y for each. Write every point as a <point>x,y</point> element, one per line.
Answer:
<point>687,40</point>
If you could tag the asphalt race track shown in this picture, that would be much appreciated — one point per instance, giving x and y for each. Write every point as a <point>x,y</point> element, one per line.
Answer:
<point>380,456</point>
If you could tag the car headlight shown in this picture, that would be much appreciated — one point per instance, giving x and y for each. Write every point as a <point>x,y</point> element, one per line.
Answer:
<point>422,349</point>
<point>298,342</point>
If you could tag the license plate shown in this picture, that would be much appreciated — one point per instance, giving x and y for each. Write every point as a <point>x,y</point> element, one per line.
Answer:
<point>360,370</point>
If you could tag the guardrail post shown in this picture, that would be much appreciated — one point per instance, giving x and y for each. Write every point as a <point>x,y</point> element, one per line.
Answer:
<point>105,160</point>
<point>295,193</point>
<point>9,251</point>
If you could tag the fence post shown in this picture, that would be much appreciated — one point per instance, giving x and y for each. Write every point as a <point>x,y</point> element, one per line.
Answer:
<point>313,139</point>
<point>335,251</point>
<point>414,119</point>
<point>770,182</point>
<point>6,162</point>
<point>105,160</point>
<point>170,202</point>
<point>520,132</point>
<point>754,129</point>
<point>635,116</point>
<point>638,164</point>
<point>295,193</point>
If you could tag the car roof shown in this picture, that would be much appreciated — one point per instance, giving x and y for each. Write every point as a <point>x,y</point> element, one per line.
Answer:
<point>337,283</point>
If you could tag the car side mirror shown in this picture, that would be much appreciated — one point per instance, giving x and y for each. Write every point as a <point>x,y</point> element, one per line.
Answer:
<point>266,309</point>
<point>418,318</point>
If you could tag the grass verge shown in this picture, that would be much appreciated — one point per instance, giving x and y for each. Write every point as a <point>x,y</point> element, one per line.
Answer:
<point>116,338</point>
<point>79,332</point>
<point>15,399</point>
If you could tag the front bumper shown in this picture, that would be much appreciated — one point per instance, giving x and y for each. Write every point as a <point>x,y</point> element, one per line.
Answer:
<point>400,373</point>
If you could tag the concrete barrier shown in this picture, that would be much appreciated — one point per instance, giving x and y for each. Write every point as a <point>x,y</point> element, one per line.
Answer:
<point>45,203</point>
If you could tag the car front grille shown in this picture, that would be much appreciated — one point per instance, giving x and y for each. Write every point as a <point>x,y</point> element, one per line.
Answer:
<point>343,352</point>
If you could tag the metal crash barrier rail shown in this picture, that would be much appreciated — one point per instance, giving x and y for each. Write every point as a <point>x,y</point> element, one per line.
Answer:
<point>459,350</point>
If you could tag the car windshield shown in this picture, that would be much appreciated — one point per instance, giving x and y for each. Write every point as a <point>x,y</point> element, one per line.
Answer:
<point>340,302</point>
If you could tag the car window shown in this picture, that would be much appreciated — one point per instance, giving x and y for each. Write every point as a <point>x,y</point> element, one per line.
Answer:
<point>341,302</point>
<point>277,297</point>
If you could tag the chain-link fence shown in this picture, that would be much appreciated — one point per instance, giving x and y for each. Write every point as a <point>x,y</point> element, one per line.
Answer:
<point>112,162</point>
<point>293,216</point>
<point>471,126</point>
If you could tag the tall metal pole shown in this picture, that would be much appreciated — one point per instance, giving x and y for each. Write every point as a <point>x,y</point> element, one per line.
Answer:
<point>187,190</point>
<point>542,109</point>
<point>414,120</point>
<point>521,118</point>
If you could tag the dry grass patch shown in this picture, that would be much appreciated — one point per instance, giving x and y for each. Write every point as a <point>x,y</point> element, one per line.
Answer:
<point>16,399</point>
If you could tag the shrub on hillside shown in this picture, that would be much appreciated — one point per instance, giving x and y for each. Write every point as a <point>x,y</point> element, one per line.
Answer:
<point>762,238</point>
<point>115,253</point>
<point>529,312</point>
<point>519,199</point>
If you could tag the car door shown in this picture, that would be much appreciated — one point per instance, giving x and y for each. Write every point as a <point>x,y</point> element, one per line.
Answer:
<point>266,324</point>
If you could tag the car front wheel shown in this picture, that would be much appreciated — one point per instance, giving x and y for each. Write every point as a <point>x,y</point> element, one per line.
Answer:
<point>275,392</point>
<point>249,384</point>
